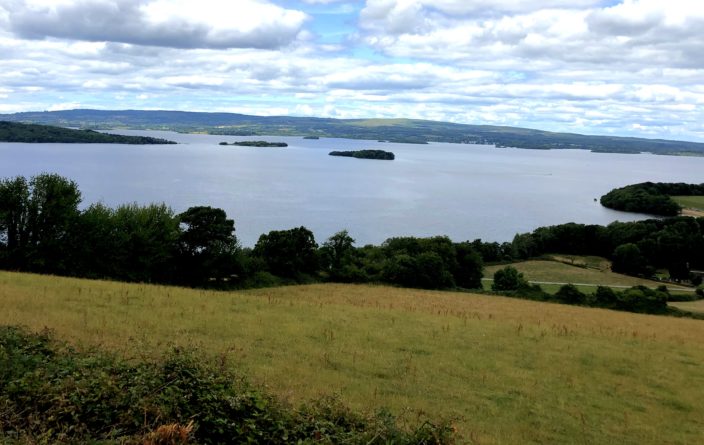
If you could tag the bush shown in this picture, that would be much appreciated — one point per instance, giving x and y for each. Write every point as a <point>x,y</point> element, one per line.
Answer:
<point>50,393</point>
<point>508,279</point>
<point>569,294</point>
<point>642,299</point>
<point>605,297</point>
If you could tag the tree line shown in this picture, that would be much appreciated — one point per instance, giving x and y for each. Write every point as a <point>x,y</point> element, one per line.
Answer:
<point>653,198</point>
<point>43,230</point>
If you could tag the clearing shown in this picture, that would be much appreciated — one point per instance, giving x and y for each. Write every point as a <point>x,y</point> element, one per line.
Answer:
<point>587,273</point>
<point>693,205</point>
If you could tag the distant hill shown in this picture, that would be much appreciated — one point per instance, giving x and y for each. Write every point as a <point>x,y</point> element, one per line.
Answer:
<point>19,132</point>
<point>393,130</point>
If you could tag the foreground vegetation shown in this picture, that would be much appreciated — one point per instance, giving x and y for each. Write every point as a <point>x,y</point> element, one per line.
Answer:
<point>51,393</point>
<point>392,130</point>
<point>17,132</point>
<point>510,371</point>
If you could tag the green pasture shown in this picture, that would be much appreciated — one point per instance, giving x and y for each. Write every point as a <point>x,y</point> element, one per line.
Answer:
<point>507,370</point>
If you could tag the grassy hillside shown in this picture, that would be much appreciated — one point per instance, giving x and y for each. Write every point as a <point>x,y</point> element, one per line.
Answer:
<point>692,306</point>
<point>394,130</point>
<point>513,371</point>
<point>559,272</point>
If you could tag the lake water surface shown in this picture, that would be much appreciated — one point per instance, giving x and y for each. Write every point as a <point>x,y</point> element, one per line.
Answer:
<point>463,191</point>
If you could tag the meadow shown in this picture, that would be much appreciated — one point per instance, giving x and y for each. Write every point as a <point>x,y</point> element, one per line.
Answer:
<point>692,202</point>
<point>691,306</point>
<point>507,370</point>
<point>585,272</point>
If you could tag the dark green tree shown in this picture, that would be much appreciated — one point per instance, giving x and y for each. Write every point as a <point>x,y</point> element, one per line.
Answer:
<point>207,246</point>
<point>288,253</point>
<point>337,249</point>
<point>508,279</point>
<point>605,297</point>
<point>36,219</point>
<point>14,204</point>
<point>146,240</point>
<point>468,273</point>
<point>569,294</point>
<point>628,259</point>
<point>93,245</point>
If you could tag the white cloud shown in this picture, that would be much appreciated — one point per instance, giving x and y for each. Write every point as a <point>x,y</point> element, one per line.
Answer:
<point>654,32</point>
<point>168,23</point>
<point>634,68</point>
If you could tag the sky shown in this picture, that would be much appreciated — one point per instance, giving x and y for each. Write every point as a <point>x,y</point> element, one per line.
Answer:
<point>627,68</point>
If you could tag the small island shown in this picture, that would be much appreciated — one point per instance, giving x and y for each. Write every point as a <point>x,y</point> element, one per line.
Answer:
<point>366,154</point>
<point>257,144</point>
<point>33,133</point>
<point>311,137</point>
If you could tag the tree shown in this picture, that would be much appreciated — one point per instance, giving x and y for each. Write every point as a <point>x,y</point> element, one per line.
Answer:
<point>628,259</point>
<point>431,272</point>
<point>207,245</point>
<point>508,279</point>
<point>36,219</point>
<point>605,296</point>
<point>468,273</point>
<point>339,258</point>
<point>53,208</point>
<point>288,253</point>
<point>14,203</point>
<point>93,244</point>
<point>337,249</point>
<point>146,240</point>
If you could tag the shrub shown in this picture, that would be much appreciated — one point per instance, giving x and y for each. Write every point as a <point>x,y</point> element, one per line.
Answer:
<point>508,279</point>
<point>569,294</point>
<point>50,393</point>
<point>605,297</point>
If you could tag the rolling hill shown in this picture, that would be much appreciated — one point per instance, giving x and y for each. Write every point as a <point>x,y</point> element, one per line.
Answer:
<point>393,130</point>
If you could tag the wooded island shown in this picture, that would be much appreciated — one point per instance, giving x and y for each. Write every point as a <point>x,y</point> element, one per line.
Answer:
<point>366,154</point>
<point>256,144</point>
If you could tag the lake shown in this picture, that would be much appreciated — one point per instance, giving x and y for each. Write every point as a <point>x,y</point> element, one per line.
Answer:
<point>463,191</point>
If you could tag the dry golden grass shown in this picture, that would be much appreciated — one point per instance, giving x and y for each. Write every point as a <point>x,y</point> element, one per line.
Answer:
<point>692,306</point>
<point>513,371</point>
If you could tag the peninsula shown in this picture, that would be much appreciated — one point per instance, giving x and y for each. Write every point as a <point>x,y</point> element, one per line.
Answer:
<point>33,133</point>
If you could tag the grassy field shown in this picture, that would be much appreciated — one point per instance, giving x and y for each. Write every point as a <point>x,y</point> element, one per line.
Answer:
<point>560,272</point>
<point>512,371</point>
<point>692,306</point>
<point>692,202</point>
<point>692,205</point>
